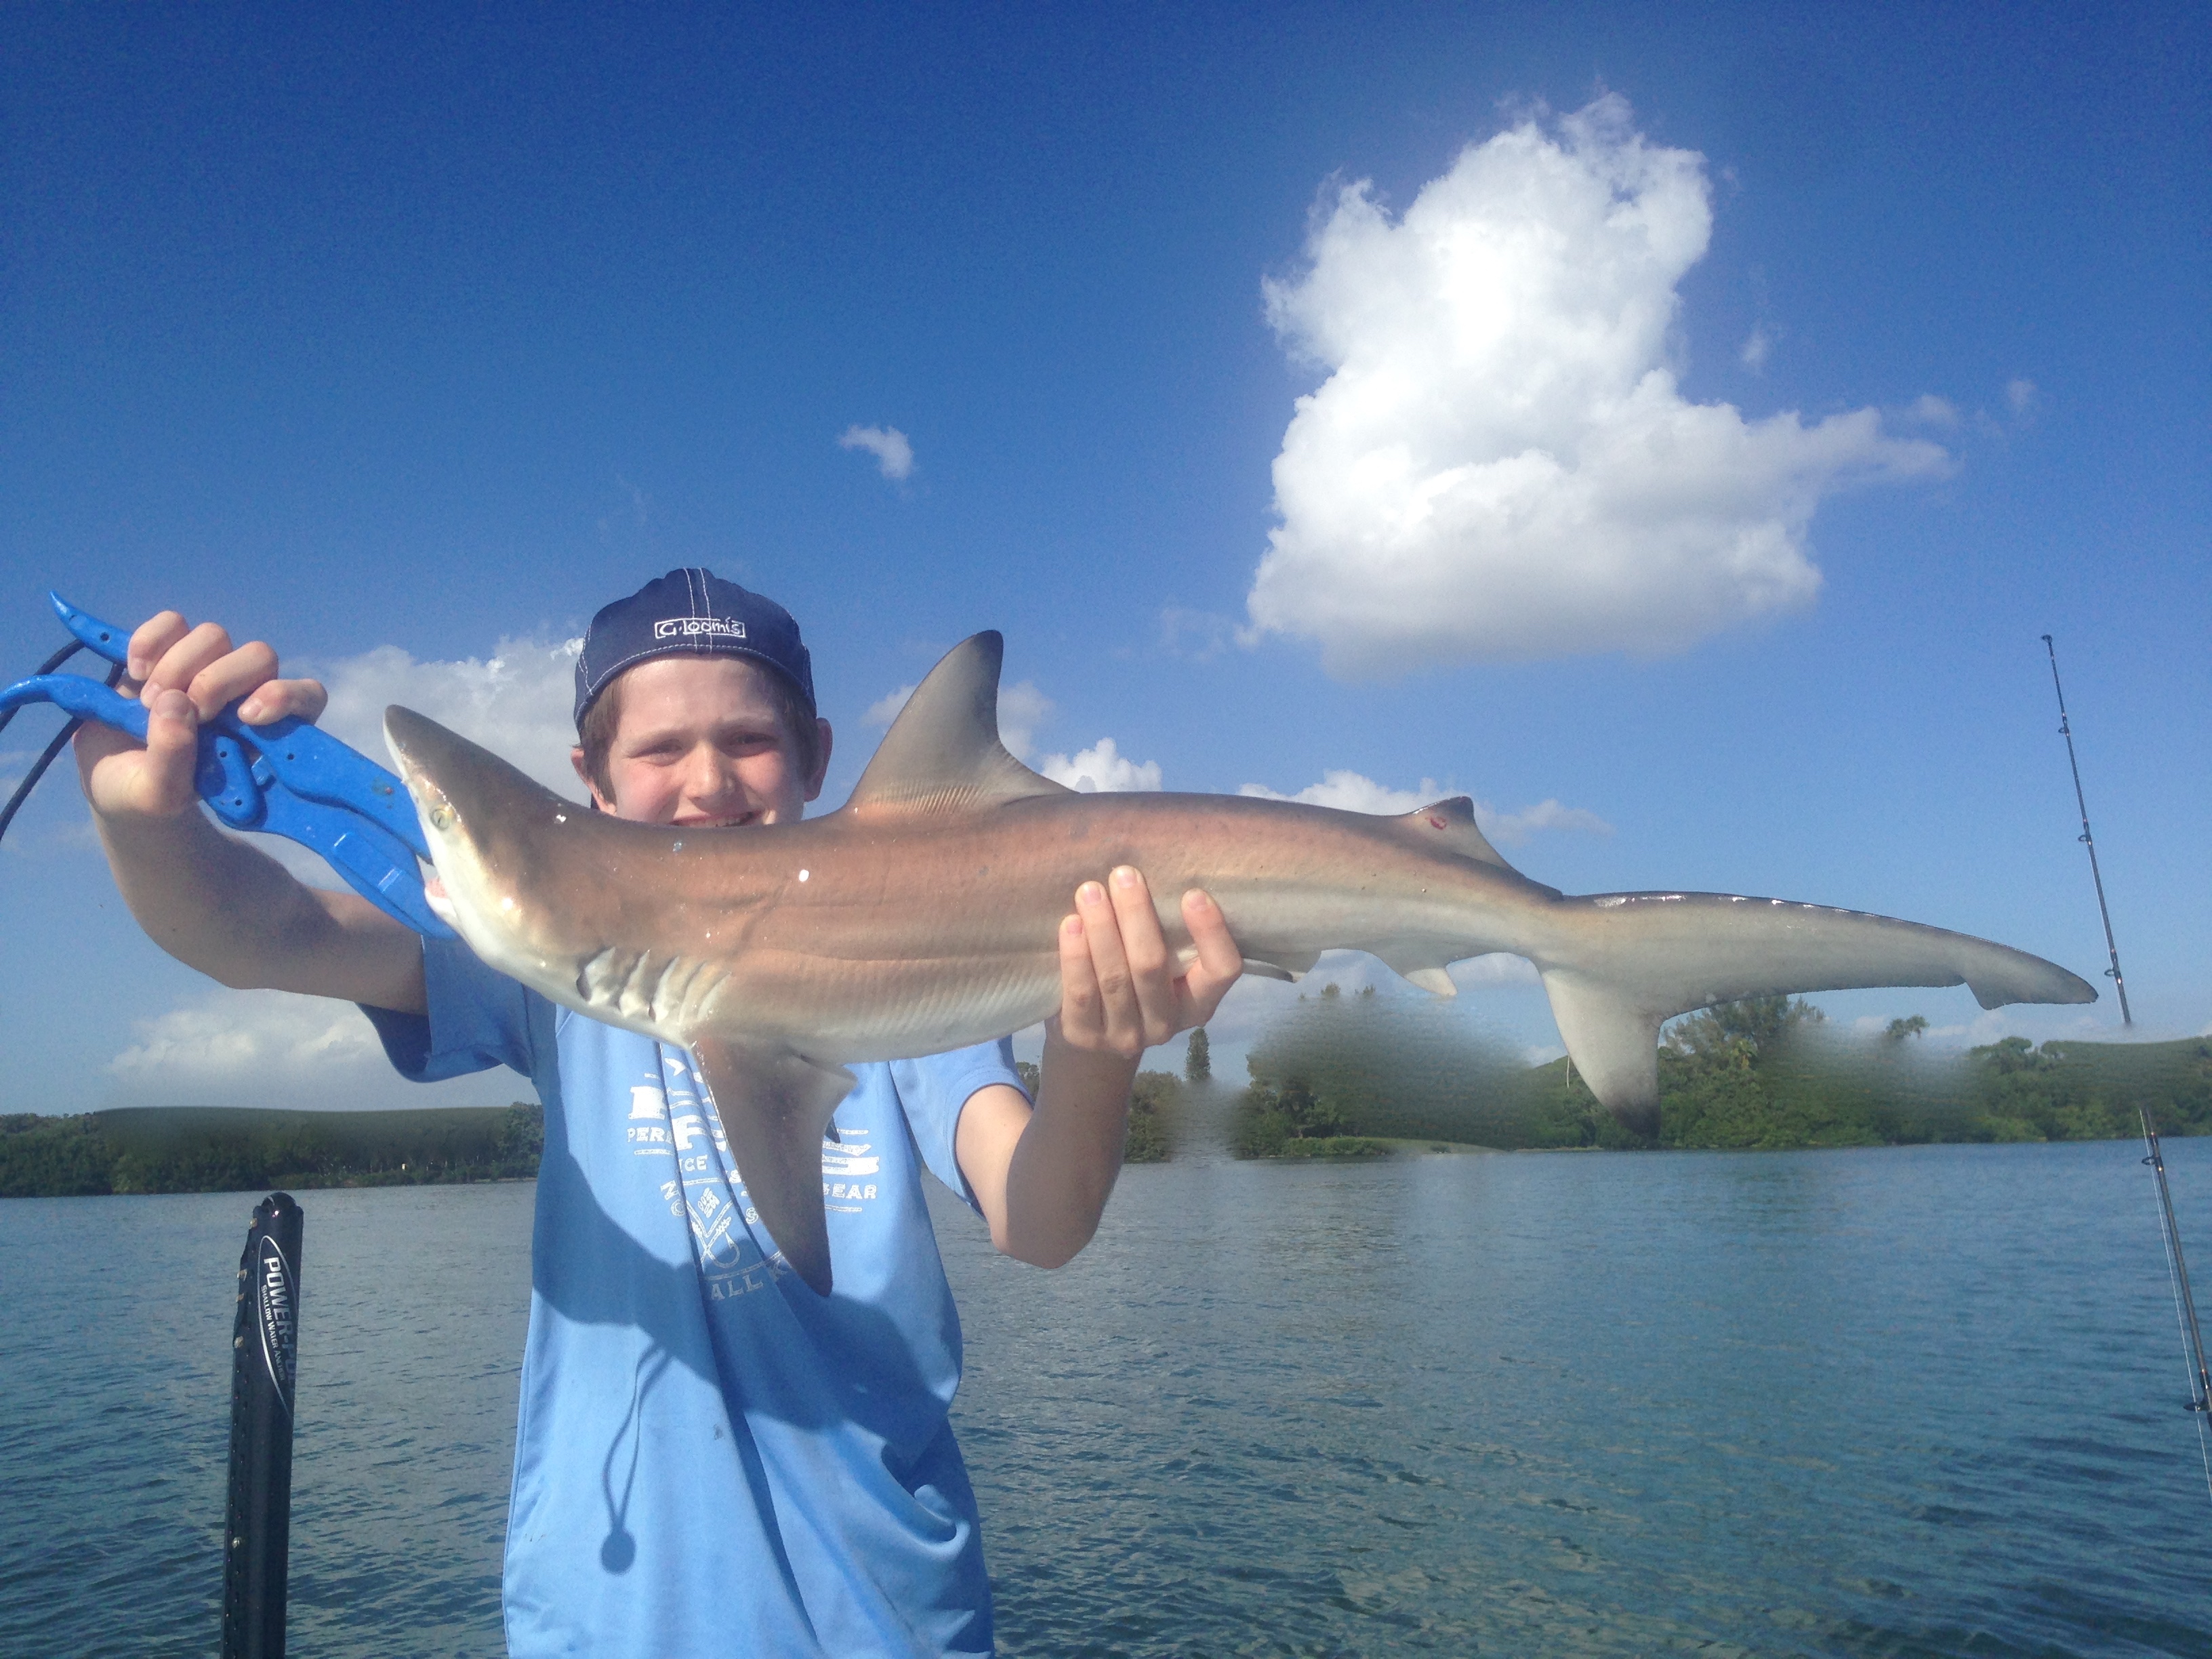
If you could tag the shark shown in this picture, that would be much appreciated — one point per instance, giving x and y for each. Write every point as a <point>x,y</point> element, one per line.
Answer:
<point>922,915</point>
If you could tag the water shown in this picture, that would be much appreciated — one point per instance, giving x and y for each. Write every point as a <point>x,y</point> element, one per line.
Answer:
<point>115,1366</point>
<point>1896,1402</point>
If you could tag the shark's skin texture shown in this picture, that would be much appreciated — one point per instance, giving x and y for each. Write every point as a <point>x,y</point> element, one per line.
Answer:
<point>923,915</point>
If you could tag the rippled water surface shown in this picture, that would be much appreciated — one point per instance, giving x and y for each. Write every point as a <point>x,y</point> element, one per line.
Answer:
<point>1895,1402</point>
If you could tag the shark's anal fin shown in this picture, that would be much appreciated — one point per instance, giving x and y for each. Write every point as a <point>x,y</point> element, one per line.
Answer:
<point>1613,1042</point>
<point>1434,980</point>
<point>943,751</point>
<point>774,1107</point>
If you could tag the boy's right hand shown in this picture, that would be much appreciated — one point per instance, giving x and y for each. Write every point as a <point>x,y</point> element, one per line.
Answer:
<point>184,676</point>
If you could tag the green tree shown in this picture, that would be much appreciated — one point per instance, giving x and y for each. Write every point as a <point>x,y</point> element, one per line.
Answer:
<point>1152,1101</point>
<point>1733,1033</point>
<point>1198,1057</point>
<point>1901,1028</point>
<point>1308,1117</point>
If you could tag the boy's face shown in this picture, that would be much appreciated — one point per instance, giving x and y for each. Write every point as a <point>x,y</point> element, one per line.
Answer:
<point>700,743</point>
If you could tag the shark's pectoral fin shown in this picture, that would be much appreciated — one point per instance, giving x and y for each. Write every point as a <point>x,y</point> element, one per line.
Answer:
<point>1613,1041</point>
<point>1268,970</point>
<point>774,1107</point>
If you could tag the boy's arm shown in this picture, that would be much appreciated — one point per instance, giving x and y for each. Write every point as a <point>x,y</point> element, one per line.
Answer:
<point>1043,1175</point>
<point>209,900</point>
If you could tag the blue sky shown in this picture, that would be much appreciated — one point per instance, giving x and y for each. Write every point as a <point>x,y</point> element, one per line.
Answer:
<point>393,338</point>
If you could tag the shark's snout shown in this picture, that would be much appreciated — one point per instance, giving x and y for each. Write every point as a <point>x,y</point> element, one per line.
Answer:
<point>407,735</point>
<point>417,747</point>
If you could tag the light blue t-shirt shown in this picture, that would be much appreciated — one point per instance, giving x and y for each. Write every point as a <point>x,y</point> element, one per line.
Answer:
<point>710,1459</point>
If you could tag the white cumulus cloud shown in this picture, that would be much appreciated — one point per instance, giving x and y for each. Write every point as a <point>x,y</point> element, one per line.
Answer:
<point>893,452</point>
<point>225,1038</point>
<point>1102,769</point>
<point>516,703</point>
<point>1353,792</point>
<point>274,1048</point>
<point>1022,709</point>
<point>1501,464</point>
<point>885,709</point>
<point>1514,828</point>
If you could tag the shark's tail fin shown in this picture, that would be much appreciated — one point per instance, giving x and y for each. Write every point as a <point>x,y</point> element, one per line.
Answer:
<point>1626,963</point>
<point>1613,1041</point>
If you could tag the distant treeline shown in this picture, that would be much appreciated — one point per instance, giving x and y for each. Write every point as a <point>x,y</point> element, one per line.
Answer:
<point>1341,1072</point>
<point>214,1149</point>
<point>210,1149</point>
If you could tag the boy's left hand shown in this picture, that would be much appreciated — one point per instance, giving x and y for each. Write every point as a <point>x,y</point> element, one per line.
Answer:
<point>1119,989</point>
<point>1042,1175</point>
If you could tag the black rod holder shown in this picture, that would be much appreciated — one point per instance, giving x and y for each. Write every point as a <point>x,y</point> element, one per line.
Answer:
<point>264,1361</point>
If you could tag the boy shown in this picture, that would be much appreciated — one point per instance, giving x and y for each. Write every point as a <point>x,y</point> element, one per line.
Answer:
<point>709,1457</point>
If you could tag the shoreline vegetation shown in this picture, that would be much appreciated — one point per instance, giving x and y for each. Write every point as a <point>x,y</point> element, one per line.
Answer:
<point>217,1149</point>
<point>220,1149</point>
<point>1364,1075</point>
<point>1340,1076</point>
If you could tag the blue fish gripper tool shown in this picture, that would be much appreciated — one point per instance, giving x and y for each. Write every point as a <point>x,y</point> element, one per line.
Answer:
<point>286,778</point>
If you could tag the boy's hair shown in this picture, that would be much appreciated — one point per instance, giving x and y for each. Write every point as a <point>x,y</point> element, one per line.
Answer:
<point>604,719</point>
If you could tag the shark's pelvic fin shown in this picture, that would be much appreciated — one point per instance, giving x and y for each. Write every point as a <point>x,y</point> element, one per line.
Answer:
<point>774,1108</point>
<point>943,751</point>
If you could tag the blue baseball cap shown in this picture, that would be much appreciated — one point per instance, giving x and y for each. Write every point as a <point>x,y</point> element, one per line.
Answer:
<point>690,613</point>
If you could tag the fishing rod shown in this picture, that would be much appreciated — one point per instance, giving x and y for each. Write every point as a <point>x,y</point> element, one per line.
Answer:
<point>2066,731</point>
<point>2184,1304</point>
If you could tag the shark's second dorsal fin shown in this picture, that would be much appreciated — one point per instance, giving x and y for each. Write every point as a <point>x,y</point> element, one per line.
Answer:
<point>1450,825</point>
<point>943,749</point>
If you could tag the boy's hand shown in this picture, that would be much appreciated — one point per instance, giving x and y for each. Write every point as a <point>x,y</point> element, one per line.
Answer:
<point>1120,991</point>
<point>184,675</point>
<point>1041,1175</point>
<point>209,899</point>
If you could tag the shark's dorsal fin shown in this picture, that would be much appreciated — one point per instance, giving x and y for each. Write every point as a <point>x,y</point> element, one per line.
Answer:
<point>943,751</point>
<point>1450,825</point>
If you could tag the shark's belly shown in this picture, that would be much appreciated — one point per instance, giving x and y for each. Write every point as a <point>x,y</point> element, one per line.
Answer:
<point>841,1011</point>
<point>886,948</point>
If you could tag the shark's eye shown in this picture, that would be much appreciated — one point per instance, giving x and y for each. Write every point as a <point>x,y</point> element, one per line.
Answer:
<point>442,817</point>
